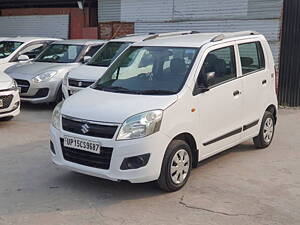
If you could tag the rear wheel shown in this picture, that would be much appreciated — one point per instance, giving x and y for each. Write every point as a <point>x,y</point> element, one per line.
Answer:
<point>266,133</point>
<point>176,166</point>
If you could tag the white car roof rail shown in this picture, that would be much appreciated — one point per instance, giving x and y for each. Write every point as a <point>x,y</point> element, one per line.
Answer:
<point>170,34</point>
<point>223,36</point>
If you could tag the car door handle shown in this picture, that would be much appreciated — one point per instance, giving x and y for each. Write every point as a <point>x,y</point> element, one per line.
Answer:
<point>264,82</point>
<point>237,92</point>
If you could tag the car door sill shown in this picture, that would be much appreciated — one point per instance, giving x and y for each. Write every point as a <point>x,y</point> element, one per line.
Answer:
<point>227,135</point>
<point>249,125</point>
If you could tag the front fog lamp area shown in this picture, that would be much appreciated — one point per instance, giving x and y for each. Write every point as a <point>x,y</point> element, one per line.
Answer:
<point>141,125</point>
<point>135,162</point>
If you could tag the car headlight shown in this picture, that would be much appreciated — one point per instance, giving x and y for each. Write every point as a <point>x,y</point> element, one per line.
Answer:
<point>65,80</point>
<point>141,125</point>
<point>44,76</point>
<point>56,116</point>
<point>13,86</point>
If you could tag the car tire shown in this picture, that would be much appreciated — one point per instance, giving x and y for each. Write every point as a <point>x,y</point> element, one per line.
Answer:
<point>6,118</point>
<point>176,166</point>
<point>59,95</point>
<point>266,133</point>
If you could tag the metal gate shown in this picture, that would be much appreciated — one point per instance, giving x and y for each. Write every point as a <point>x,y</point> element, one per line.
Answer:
<point>289,78</point>
<point>35,25</point>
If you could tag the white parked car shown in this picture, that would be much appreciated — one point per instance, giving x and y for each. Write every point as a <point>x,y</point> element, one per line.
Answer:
<point>41,79</point>
<point>86,74</point>
<point>204,93</point>
<point>9,98</point>
<point>21,49</point>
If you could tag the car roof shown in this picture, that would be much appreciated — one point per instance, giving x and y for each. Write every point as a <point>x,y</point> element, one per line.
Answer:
<point>30,39</point>
<point>195,40</point>
<point>80,42</point>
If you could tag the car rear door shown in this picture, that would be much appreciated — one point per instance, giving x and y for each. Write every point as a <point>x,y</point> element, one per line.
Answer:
<point>255,80</point>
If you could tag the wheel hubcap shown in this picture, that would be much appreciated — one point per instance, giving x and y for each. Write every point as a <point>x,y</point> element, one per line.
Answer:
<point>180,166</point>
<point>268,130</point>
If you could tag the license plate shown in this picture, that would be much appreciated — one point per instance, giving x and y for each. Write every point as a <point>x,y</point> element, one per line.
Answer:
<point>1,103</point>
<point>82,144</point>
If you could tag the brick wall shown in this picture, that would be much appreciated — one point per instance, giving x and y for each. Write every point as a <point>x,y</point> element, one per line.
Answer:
<point>77,18</point>
<point>110,30</point>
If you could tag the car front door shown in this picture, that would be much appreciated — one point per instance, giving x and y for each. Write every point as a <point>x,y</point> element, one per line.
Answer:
<point>220,106</point>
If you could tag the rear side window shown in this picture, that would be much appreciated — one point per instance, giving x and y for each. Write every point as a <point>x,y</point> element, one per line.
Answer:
<point>252,57</point>
<point>222,63</point>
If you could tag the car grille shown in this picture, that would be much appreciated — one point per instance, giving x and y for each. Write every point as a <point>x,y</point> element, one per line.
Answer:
<point>80,83</point>
<point>6,99</point>
<point>100,161</point>
<point>94,130</point>
<point>42,93</point>
<point>23,84</point>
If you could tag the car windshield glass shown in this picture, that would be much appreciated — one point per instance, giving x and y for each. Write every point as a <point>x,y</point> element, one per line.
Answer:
<point>8,47</point>
<point>108,53</point>
<point>60,53</point>
<point>148,71</point>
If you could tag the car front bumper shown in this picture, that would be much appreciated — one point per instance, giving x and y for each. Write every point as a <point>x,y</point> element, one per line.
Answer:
<point>13,108</point>
<point>155,144</point>
<point>43,92</point>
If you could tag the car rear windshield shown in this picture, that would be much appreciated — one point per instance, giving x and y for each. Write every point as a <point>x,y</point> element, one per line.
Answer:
<point>60,53</point>
<point>108,53</point>
<point>149,71</point>
<point>8,47</point>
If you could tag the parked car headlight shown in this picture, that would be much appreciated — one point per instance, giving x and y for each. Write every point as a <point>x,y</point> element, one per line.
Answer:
<point>44,76</point>
<point>56,116</point>
<point>13,86</point>
<point>141,125</point>
<point>65,80</point>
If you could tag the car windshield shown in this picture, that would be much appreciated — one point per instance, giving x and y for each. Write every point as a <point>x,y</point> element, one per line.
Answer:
<point>108,53</point>
<point>8,47</point>
<point>149,71</point>
<point>60,53</point>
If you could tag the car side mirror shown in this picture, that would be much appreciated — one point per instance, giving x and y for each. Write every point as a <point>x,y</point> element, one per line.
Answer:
<point>203,83</point>
<point>86,58</point>
<point>23,58</point>
<point>207,78</point>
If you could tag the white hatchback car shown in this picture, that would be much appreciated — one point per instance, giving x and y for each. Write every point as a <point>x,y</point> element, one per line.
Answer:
<point>21,49</point>
<point>9,98</point>
<point>204,93</point>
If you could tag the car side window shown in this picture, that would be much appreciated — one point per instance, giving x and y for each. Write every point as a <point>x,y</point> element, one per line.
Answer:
<point>93,50</point>
<point>32,50</point>
<point>222,63</point>
<point>252,57</point>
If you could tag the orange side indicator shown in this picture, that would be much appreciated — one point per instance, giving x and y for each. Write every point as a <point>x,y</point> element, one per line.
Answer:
<point>193,110</point>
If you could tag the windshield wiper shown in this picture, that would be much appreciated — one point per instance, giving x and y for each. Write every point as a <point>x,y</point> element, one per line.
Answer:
<point>113,89</point>
<point>157,92</point>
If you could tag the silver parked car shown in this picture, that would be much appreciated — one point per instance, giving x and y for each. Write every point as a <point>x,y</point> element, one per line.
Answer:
<point>40,80</point>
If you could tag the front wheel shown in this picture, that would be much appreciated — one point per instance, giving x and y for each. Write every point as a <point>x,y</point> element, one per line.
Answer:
<point>266,133</point>
<point>176,166</point>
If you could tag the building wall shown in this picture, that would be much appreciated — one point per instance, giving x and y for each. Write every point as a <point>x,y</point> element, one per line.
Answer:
<point>37,25</point>
<point>109,10</point>
<point>77,20</point>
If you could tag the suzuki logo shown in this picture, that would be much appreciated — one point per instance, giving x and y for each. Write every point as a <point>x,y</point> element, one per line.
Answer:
<point>79,83</point>
<point>85,128</point>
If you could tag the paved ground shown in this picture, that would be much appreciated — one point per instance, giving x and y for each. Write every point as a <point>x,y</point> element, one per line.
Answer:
<point>241,186</point>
